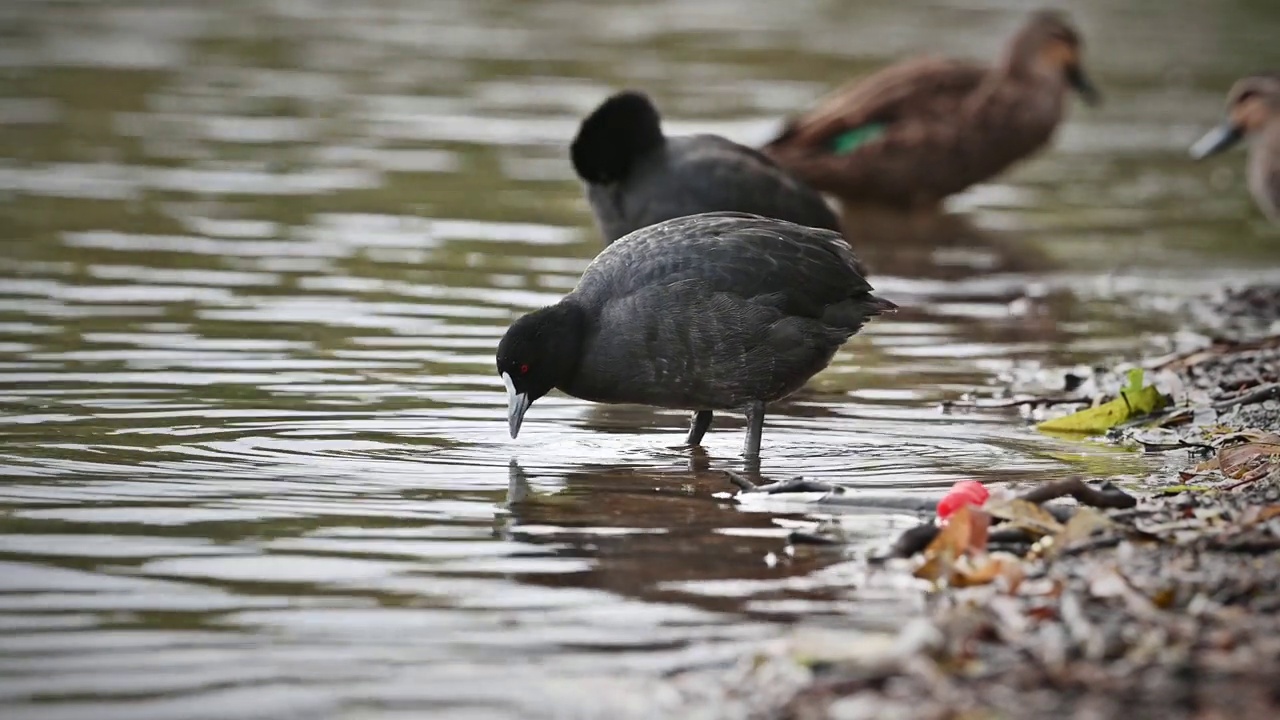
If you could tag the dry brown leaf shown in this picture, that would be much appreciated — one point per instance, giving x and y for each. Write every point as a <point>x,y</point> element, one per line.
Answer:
<point>1252,476</point>
<point>1259,514</point>
<point>969,577</point>
<point>1165,598</point>
<point>965,533</point>
<point>932,569</point>
<point>1207,466</point>
<point>985,569</point>
<point>1042,613</point>
<point>1084,523</point>
<point>979,524</point>
<point>1236,460</point>
<point>1025,515</point>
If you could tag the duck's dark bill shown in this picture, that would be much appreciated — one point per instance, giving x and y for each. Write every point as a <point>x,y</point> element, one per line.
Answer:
<point>1083,85</point>
<point>517,405</point>
<point>1216,140</point>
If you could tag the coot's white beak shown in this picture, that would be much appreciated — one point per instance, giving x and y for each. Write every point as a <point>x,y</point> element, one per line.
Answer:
<point>517,405</point>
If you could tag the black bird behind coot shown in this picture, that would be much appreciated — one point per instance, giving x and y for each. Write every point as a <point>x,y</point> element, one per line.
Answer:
<point>718,311</point>
<point>635,176</point>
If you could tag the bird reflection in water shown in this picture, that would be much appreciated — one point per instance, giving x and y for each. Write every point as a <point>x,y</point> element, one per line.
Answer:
<point>656,534</point>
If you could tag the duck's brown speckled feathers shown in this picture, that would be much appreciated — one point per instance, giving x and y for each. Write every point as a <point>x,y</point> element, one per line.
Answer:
<point>927,87</point>
<point>932,127</point>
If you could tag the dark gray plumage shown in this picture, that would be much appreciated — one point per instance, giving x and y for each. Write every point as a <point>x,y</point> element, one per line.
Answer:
<point>635,176</point>
<point>718,311</point>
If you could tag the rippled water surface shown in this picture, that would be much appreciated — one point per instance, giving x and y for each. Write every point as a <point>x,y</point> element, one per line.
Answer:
<point>255,260</point>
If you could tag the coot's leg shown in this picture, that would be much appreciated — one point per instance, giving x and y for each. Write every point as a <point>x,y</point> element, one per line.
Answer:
<point>755,428</point>
<point>698,427</point>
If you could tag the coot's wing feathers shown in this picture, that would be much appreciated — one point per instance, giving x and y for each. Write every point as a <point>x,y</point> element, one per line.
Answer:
<point>716,174</point>
<point>927,86</point>
<point>797,269</point>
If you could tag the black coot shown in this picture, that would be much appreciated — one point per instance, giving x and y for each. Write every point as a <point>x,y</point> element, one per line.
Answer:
<point>635,176</point>
<point>718,311</point>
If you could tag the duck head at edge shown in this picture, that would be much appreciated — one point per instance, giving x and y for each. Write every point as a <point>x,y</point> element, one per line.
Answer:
<point>1252,103</point>
<point>1048,48</point>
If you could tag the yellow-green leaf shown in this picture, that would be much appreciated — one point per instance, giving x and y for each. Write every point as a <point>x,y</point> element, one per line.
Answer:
<point>1135,400</point>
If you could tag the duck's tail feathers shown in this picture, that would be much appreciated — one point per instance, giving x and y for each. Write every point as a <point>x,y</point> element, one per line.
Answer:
<point>784,135</point>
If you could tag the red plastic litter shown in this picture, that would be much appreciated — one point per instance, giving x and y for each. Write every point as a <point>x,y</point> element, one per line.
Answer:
<point>965,492</point>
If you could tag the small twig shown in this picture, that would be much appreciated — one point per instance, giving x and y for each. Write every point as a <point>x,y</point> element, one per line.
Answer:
<point>1217,348</point>
<point>1258,546</point>
<point>794,485</point>
<point>1078,548</point>
<point>1010,536</point>
<point>1257,395</point>
<point>834,494</point>
<point>914,540</point>
<point>800,537</point>
<point>1106,495</point>
<point>1150,447</point>
<point>1045,401</point>
<point>741,481</point>
<point>799,485</point>
<point>1170,418</point>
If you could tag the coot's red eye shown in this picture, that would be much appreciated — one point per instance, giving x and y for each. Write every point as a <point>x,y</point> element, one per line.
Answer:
<point>524,369</point>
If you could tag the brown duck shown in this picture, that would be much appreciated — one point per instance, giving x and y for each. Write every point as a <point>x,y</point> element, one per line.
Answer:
<point>913,133</point>
<point>1253,112</point>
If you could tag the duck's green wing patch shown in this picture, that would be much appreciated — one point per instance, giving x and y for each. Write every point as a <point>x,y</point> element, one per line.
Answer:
<point>850,140</point>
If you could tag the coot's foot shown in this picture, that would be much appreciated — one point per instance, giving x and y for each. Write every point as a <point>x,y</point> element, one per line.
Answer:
<point>755,427</point>
<point>518,489</point>
<point>698,427</point>
<point>698,459</point>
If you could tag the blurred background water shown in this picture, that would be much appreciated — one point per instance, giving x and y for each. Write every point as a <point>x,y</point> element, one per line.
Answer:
<point>255,257</point>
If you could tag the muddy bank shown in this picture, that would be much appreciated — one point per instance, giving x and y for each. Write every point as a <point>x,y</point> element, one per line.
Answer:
<point>1169,608</point>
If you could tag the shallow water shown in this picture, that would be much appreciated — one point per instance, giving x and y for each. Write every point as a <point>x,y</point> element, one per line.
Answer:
<point>256,257</point>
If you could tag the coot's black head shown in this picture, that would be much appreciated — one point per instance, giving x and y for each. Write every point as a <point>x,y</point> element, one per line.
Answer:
<point>625,128</point>
<point>539,351</point>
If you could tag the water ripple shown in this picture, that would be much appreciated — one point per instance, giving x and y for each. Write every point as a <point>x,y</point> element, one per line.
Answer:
<point>256,459</point>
